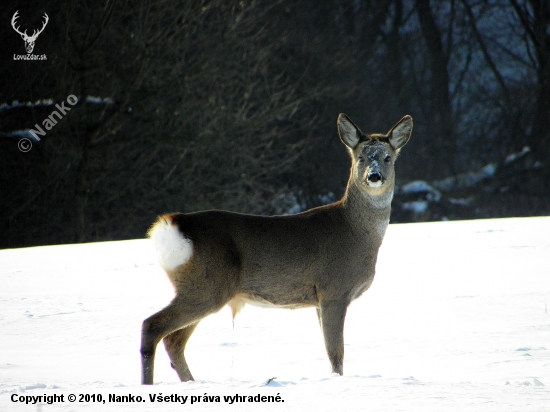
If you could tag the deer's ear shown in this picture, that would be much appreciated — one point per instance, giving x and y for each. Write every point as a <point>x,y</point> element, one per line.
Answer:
<point>348,131</point>
<point>400,134</point>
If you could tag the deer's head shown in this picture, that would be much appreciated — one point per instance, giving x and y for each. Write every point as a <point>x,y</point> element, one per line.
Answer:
<point>373,155</point>
<point>29,40</point>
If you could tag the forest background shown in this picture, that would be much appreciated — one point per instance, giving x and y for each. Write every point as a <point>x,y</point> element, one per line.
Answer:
<point>192,105</point>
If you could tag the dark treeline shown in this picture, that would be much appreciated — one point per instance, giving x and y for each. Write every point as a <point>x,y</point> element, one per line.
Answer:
<point>190,105</point>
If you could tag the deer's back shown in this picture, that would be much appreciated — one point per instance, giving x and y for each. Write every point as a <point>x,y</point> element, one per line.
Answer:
<point>284,260</point>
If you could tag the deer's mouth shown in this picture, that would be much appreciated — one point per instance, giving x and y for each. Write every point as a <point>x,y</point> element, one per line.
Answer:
<point>374,184</point>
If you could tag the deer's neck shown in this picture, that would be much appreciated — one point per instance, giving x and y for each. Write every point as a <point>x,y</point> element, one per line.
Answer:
<point>366,212</point>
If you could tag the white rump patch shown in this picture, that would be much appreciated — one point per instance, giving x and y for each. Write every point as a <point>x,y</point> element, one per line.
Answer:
<point>173,248</point>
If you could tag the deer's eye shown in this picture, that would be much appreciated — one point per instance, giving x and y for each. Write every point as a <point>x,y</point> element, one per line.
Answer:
<point>387,159</point>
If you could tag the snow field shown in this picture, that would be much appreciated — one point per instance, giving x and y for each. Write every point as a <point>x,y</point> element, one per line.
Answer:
<point>457,319</point>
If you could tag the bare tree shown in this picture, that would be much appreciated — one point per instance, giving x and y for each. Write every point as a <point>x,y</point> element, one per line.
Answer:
<point>209,105</point>
<point>534,16</point>
<point>442,129</point>
<point>216,104</point>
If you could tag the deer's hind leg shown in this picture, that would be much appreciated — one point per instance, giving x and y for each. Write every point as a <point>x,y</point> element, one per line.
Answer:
<point>175,346</point>
<point>182,314</point>
<point>204,285</point>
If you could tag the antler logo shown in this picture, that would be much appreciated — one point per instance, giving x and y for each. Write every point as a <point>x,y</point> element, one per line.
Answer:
<point>29,40</point>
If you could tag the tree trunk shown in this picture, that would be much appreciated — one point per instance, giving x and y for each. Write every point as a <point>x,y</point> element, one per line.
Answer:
<point>441,130</point>
<point>537,27</point>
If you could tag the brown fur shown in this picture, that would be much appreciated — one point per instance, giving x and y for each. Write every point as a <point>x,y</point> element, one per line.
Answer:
<point>324,257</point>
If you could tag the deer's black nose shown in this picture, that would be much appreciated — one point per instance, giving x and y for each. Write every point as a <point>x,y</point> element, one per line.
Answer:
<point>374,177</point>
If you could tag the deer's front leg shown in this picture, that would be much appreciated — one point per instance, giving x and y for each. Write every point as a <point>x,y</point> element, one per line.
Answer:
<point>332,316</point>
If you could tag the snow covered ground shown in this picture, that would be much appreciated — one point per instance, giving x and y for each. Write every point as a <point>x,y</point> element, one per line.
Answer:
<point>457,320</point>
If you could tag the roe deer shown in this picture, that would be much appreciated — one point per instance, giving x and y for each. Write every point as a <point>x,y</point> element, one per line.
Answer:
<point>324,257</point>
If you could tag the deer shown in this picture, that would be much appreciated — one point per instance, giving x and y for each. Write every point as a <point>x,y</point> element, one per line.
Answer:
<point>29,40</point>
<point>324,257</point>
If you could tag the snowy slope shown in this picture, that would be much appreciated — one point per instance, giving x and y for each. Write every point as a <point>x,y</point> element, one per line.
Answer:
<point>456,320</point>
